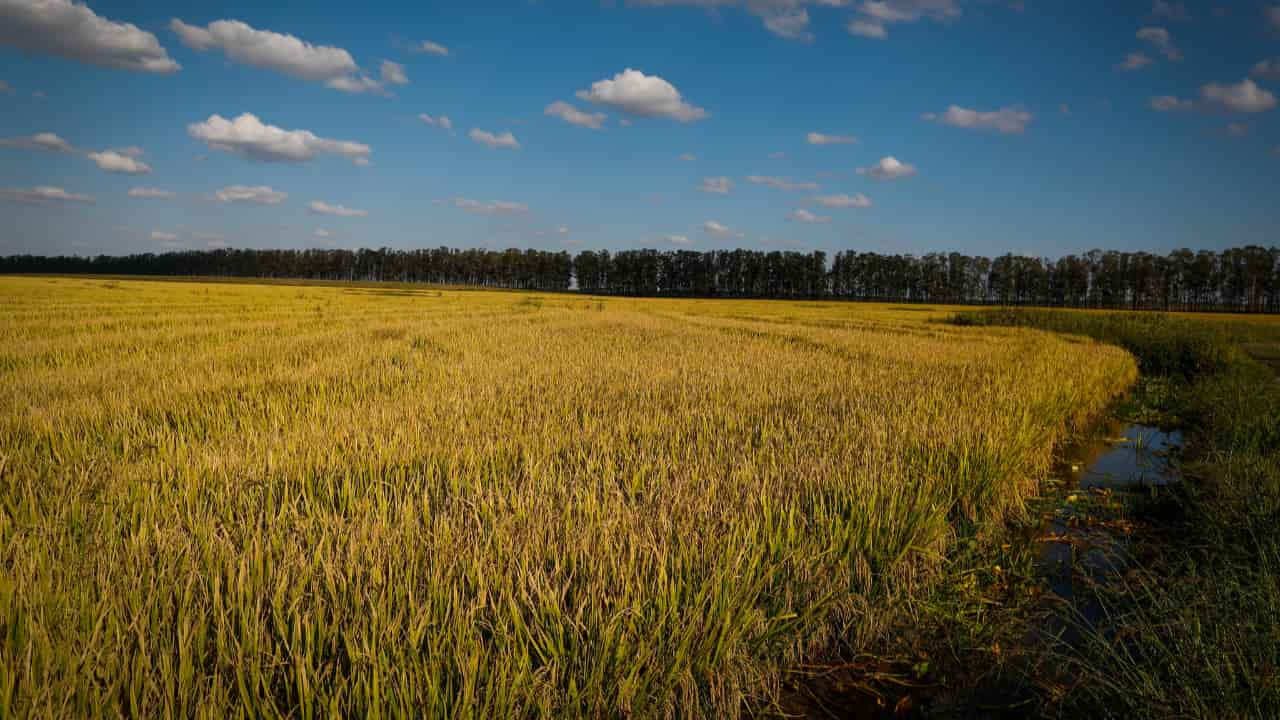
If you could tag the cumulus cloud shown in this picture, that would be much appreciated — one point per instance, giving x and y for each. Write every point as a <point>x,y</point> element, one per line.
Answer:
<point>39,141</point>
<point>817,138</point>
<point>780,183</point>
<point>1242,97</point>
<point>167,237</point>
<point>804,216</point>
<point>888,168</point>
<point>393,73</point>
<point>677,239</point>
<point>73,31</point>
<point>718,185</point>
<point>322,208</point>
<point>258,195</point>
<point>321,233</point>
<point>874,16</point>
<point>494,207</point>
<point>1007,120</point>
<point>440,121</point>
<point>500,140</point>
<point>151,193</point>
<point>574,116</point>
<point>432,48</point>
<point>250,138</point>
<point>1134,61</point>
<point>857,200</point>
<point>634,93</point>
<point>1268,69</point>
<point>711,227</point>
<point>119,162</point>
<point>1169,103</point>
<point>43,195</point>
<point>288,55</point>
<point>688,157</point>
<point>787,19</point>
<point>1160,39</point>
<point>268,50</point>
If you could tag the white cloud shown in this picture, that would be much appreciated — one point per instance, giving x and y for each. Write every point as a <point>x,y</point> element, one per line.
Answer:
<point>432,48</point>
<point>1007,120</point>
<point>1170,10</point>
<point>500,140</point>
<point>440,121</point>
<point>785,18</point>
<point>790,23</point>
<point>677,239</point>
<point>117,162</point>
<point>393,73</point>
<point>151,193</point>
<point>43,195</point>
<point>250,138</point>
<point>1243,97</point>
<point>268,50</point>
<point>817,138</point>
<point>804,216</point>
<point>322,233</point>
<point>1160,39</point>
<point>574,116</point>
<point>857,200</point>
<point>874,16</point>
<point>495,207</point>
<point>1169,103</point>
<point>288,55</point>
<point>1134,61</point>
<point>688,157</point>
<point>711,227</point>
<point>72,30</point>
<point>633,92</point>
<point>164,236</point>
<point>888,168</point>
<point>868,29</point>
<point>1268,69</point>
<point>780,183</point>
<point>718,185</point>
<point>39,141</point>
<point>321,208</point>
<point>258,194</point>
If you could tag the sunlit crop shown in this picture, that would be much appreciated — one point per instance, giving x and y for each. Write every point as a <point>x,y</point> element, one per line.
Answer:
<point>287,500</point>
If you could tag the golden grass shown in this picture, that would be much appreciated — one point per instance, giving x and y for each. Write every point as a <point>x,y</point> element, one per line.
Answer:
<point>270,500</point>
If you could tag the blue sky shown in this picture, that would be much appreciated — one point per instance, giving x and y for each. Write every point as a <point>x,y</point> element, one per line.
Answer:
<point>1027,127</point>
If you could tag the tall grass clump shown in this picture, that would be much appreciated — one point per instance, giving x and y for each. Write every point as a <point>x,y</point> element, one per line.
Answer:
<point>300,501</point>
<point>1193,632</point>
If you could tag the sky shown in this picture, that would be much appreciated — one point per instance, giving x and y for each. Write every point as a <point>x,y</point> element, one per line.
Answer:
<point>903,126</point>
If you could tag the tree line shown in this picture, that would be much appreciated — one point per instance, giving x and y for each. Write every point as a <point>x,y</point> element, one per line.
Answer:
<point>1237,279</point>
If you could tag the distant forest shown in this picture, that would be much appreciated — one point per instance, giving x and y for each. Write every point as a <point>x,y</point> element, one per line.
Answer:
<point>1239,279</point>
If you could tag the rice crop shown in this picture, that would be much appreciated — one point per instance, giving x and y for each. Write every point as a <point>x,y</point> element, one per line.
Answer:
<point>272,500</point>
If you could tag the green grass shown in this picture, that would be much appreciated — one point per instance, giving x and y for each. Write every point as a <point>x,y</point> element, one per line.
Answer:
<point>1193,631</point>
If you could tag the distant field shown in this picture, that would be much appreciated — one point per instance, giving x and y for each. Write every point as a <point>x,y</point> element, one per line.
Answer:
<point>292,500</point>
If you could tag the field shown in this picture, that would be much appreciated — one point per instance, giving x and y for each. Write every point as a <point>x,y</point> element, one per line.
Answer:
<point>300,500</point>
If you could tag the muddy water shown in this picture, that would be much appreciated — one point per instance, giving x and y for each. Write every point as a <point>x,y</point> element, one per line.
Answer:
<point>1075,547</point>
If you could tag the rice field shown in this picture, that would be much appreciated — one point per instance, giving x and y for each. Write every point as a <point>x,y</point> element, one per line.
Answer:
<point>273,500</point>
